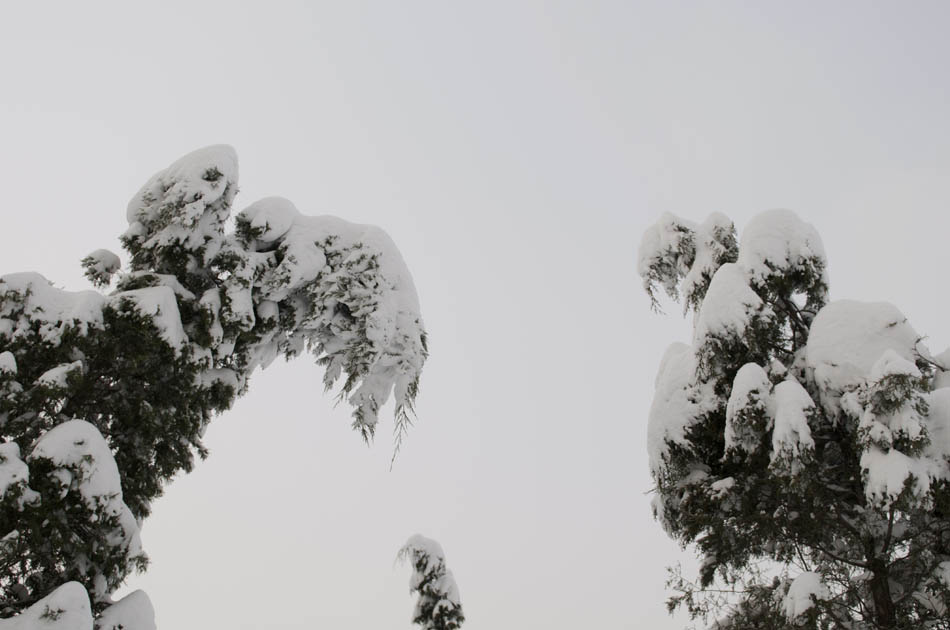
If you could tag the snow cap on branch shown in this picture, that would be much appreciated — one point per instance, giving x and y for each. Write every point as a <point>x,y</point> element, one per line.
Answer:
<point>66,608</point>
<point>846,340</point>
<point>778,243</point>
<point>439,606</point>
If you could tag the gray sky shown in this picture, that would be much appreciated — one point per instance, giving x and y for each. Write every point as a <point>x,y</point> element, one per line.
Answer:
<point>515,151</point>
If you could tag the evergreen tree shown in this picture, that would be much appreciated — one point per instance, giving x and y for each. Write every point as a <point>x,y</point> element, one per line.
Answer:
<point>103,398</point>
<point>439,606</point>
<point>802,446</point>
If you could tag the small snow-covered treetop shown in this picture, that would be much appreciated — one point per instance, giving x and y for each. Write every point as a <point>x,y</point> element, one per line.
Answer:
<point>809,433</point>
<point>104,398</point>
<point>439,606</point>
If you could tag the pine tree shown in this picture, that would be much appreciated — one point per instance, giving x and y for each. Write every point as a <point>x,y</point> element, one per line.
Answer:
<point>800,445</point>
<point>105,397</point>
<point>439,606</point>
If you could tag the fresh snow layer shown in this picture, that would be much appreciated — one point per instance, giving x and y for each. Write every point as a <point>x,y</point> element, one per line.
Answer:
<point>938,425</point>
<point>708,251</point>
<point>66,608</point>
<point>56,377</point>
<point>777,240</point>
<point>188,202</point>
<point>13,470</point>
<point>272,215</point>
<point>729,305</point>
<point>847,339</point>
<point>893,364</point>
<point>673,409</point>
<point>7,363</point>
<point>750,388</point>
<point>790,433</point>
<point>102,263</point>
<point>664,239</point>
<point>419,548</point>
<point>369,277</point>
<point>159,303</point>
<point>77,444</point>
<point>887,472</point>
<point>44,303</point>
<point>132,612</point>
<point>85,463</point>
<point>802,593</point>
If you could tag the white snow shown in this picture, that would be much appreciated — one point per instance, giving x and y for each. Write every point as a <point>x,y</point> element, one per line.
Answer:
<point>790,433</point>
<point>893,364</point>
<point>56,377</point>
<point>103,262</point>
<point>132,612</point>
<point>13,470</point>
<point>183,204</point>
<point>7,363</point>
<point>159,303</point>
<point>942,573</point>
<point>664,240</point>
<point>883,428</point>
<point>708,251</point>
<point>750,388</point>
<point>53,307</point>
<point>86,463</point>
<point>384,297</point>
<point>721,487</point>
<point>886,472</point>
<point>66,608</point>
<point>776,241</point>
<point>674,406</point>
<point>78,444</point>
<point>848,338</point>
<point>937,423</point>
<point>273,215</point>
<point>421,548</point>
<point>802,593</point>
<point>729,305</point>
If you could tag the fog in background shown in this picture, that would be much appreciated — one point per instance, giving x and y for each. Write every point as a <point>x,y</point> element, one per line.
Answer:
<point>515,151</point>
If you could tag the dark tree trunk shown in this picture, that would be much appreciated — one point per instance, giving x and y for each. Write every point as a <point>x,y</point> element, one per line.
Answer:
<point>884,613</point>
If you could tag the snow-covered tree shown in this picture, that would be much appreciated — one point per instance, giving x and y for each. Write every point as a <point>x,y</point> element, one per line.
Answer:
<point>439,606</point>
<point>801,445</point>
<point>104,397</point>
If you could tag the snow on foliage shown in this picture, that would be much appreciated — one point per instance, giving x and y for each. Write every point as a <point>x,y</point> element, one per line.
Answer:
<point>186,205</point>
<point>439,606</point>
<point>13,470</point>
<point>66,608</point>
<point>100,266</point>
<point>108,396</point>
<point>749,409</point>
<point>160,305</point>
<point>776,243</point>
<point>82,462</point>
<point>847,338</point>
<point>132,612</point>
<point>57,376</point>
<point>729,305</point>
<point>7,363</point>
<point>675,252</point>
<point>791,437</point>
<point>802,594</point>
<point>30,298</point>
<point>675,405</point>
<point>796,432</point>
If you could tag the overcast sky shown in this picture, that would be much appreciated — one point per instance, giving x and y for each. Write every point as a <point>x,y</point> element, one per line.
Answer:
<point>515,151</point>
